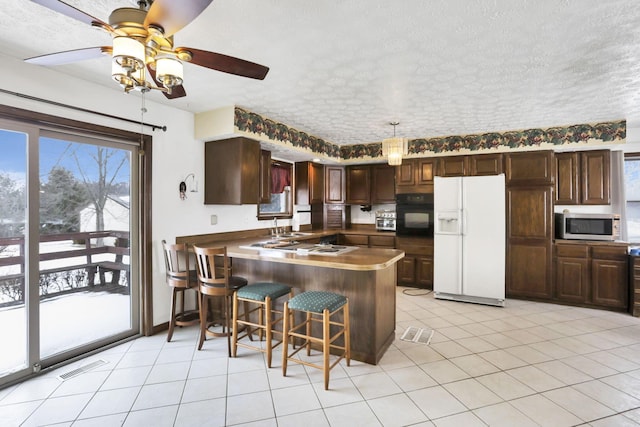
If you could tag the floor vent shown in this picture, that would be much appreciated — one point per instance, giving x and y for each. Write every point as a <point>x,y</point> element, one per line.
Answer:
<point>417,335</point>
<point>81,370</point>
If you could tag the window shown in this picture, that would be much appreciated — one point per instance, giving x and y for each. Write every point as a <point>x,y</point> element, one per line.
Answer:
<point>632,191</point>
<point>281,205</point>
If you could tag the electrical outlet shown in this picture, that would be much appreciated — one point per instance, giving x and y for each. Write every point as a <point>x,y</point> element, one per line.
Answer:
<point>214,219</point>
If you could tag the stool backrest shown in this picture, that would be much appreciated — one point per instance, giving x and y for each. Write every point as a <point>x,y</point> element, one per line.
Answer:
<point>176,261</point>
<point>208,261</point>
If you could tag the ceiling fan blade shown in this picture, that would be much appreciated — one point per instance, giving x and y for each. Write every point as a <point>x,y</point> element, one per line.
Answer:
<point>174,15</point>
<point>69,56</point>
<point>176,92</point>
<point>226,64</point>
<point>71,12</point>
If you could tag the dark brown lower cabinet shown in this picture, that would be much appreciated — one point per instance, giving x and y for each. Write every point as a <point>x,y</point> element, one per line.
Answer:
<point>529,270</point>
<point>416,268</point>
<point>592,274</point>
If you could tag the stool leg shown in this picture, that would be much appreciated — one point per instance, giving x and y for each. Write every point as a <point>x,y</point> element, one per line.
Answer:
<point>308,329</point>
<point>227,303</point>
<point>268,326</point>
<point>286,318</point>
<point>347,333</point>
<point>235,324</point>
<point>204,302</point>
<point>326,336</point>
<point>172,314</point>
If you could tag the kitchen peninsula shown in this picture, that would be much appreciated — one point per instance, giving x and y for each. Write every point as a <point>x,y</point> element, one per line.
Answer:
<point>367,276</point>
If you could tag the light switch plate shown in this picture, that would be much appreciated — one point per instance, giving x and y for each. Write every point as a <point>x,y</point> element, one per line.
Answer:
<point>214,219</point>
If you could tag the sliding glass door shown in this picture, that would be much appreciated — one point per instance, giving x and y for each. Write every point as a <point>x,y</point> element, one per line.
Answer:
<point>68,246</point>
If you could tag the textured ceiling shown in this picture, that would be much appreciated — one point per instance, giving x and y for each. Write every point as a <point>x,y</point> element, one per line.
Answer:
<point>342,70</point>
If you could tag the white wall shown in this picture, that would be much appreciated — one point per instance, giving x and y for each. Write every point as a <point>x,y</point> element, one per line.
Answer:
<point>175,154</point>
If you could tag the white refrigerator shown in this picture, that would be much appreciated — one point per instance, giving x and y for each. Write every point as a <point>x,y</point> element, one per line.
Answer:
<point>469,239</point>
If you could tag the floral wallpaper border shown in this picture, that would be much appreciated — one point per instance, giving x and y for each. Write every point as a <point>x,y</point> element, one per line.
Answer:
<point>606,132</point>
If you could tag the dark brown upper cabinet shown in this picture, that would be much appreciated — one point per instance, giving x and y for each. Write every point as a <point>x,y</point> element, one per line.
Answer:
<point>265,176</point>
<point>334,185</point>
<point>530,168</point>
<point>309,183</point>
<point>230,174</point>
<point>486,164</point>
<point>416,175</point>
<point>583,178</point>
<point>358,185</point>
<point>383,188</point>
<point>454,166</point>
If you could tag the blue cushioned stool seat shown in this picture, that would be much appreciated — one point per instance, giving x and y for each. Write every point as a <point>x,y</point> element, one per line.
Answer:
<point>317,301</point>
<point>324,309</point>
<point>260,291</point>
<point>262,318</point>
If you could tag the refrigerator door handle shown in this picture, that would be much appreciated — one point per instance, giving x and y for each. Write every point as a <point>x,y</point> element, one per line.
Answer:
<point>463,224</point>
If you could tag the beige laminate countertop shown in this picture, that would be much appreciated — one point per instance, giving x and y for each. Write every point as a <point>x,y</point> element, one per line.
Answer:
<point>360,259</point>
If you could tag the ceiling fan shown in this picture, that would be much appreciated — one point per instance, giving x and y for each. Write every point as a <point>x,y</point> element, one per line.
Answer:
<point>143,42</point>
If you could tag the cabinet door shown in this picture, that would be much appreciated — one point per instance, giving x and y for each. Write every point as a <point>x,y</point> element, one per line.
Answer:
<point>485,164</point>
<point>336,216</point>
<point>453,166</point>
<point>407,270</point>
<point>358,185</point>
<point>383,188</point>
<point>609,283</point>
<point>334,184</point>
<point>354,240</point>
<point>572,279</point>
<point>595,177</point>
<point>382,241</point>
<point>317,183</point>
<point>529,241</point>
<point>231,176</point>
<point>426,170</point>
<point>567,171</point>
<point>424,272</point>
<point>406,173</point>
<point>265,176</point>
<point>530,168</point>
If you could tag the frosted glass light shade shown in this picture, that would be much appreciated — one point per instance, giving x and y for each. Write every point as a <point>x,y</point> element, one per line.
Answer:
<point>128,53</point>
<point>169,71</point>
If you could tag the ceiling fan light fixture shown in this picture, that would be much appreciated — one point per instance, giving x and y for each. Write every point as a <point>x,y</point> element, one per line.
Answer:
<point>169,72</point>
<point>128,53</point>
<point>394,148</point>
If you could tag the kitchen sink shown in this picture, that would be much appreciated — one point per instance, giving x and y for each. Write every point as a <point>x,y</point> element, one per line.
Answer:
<point>301,248</point>
<point>291,234</point>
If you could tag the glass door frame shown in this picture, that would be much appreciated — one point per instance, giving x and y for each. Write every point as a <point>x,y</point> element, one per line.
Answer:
<point>31,123</point>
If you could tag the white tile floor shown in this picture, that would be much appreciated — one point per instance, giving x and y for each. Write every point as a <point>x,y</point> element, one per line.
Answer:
<point>526,364</point>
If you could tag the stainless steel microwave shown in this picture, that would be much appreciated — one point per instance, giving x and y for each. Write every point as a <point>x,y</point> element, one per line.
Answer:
<point>581,226</point>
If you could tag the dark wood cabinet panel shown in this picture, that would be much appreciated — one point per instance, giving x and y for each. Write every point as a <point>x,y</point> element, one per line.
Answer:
<point>383,186</point>
<point>265,176</point>
<point>416,268</point>
<point>608,280</point>
<point>453,166</point>
<point>309,183</point>
<point>354,240</point>
<point>634,284</point>
<point>530,213</point>
<point>530,168</point>
<point>583,178</point>
<point>592,274</point>
<point>567,170</point>
<point>382,242</point>
<point>358,185</point>
<point>416,175</point>
<point>529,270</point>
<point>424,272</point>
<point>572,279</point>
<point>334,184</point>
<point>407,270</point>
<point>486,164</point>
<point>231,176</point>
<point>595,177</point>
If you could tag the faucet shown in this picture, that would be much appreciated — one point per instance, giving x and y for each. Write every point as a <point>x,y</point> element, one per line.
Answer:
<point>275,230</point>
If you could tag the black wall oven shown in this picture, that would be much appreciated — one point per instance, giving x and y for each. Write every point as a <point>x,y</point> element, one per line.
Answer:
<point>414,212</point>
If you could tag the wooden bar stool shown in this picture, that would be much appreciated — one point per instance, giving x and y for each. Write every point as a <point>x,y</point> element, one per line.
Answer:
<point>180,279</point>
<point>261,296</point>
<point>319,307</point>
<point>215,280</point>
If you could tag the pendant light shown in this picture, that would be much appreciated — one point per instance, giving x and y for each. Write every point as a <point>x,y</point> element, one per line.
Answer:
<point>394,148</point>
